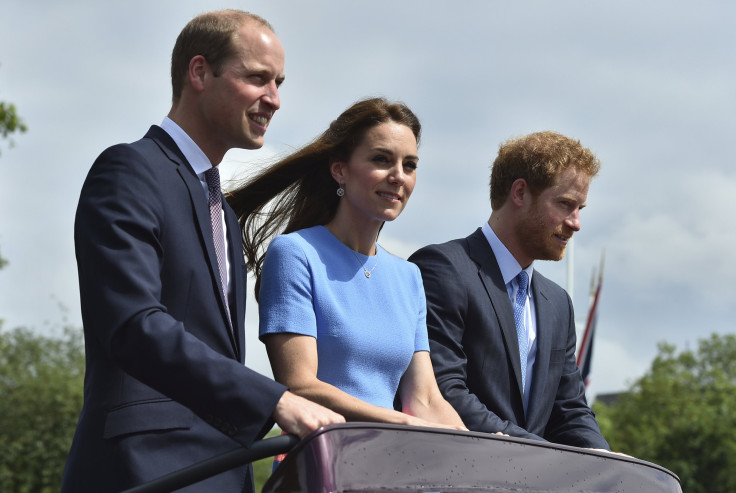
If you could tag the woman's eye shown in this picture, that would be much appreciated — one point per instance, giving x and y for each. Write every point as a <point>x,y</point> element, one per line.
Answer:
<point>411,165</point>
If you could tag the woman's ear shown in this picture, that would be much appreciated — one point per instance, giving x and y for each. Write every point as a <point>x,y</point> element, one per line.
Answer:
<point>337,170</point>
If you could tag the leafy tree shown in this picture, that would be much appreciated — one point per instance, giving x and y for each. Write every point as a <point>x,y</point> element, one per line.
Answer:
<point>682,415</point>
<point>41,385</point>
<point>10,122</point>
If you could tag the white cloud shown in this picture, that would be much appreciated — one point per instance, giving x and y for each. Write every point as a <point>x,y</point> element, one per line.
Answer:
<point>608,354</point>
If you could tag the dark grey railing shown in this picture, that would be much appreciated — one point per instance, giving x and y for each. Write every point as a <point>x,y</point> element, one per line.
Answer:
<point>221,463</point>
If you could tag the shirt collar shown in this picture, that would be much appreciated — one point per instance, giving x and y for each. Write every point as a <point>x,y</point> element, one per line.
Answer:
<point>510,268</point>
<point>197,159</point>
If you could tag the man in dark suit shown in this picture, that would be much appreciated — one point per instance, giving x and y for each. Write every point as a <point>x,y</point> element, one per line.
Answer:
<point>502,336</point>
<point>163,309</point>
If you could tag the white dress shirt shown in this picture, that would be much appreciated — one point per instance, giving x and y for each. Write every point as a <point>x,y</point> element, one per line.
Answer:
<point>200,163</point>
<point>510,268</point>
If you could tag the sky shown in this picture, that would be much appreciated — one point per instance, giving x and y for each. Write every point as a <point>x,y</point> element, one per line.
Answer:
<point>650,87</point>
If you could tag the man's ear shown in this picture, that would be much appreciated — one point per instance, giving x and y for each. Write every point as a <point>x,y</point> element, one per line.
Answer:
<point>198,68</point>
<point>519,192</point>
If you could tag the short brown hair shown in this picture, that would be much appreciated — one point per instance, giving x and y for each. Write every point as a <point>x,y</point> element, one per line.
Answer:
<point>211,35</point>
<point>538,158</point>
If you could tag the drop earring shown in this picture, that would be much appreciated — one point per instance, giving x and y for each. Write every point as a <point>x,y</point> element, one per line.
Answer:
<point>340,191</point>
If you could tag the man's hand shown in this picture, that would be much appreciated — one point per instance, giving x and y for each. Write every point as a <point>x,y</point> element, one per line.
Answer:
<point>299,416</point>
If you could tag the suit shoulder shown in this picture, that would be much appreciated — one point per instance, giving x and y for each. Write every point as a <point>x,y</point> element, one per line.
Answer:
<point>448,249</point>
<point>149,157</point>
<point>124,151</point>
<point>135,173</point>
<point>144,145</point>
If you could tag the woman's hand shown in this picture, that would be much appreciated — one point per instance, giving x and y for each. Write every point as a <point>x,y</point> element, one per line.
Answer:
<point>421,398</point>
<point>294,363</point>
<point>414,421</point>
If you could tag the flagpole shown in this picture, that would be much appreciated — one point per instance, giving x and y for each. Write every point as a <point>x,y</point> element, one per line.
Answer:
<point>571,268</point>
<point>585,352</point>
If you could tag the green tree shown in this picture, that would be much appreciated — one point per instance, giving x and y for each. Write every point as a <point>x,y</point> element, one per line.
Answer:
<point>682,415</point>
<point>41,388</point>
<point>41,385</point>
<point>10,122</point>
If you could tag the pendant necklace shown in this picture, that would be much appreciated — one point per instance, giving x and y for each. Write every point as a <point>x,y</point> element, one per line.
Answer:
<point>366,271</point>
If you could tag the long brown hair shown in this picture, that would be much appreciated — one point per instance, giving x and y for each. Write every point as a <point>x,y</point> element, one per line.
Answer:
<point>298,191</point>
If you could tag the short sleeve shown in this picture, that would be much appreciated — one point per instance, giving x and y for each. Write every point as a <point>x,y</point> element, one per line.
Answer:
<point>286,295</point>
<point>421,339</point>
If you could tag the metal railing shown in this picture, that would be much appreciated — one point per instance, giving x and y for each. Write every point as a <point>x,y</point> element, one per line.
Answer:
<point>221,463</point>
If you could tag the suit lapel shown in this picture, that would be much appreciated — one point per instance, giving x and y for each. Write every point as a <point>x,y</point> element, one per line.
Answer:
<point>237,278</point>
<point>545,316</point>
<point>490,275</point>
<point>202,216</point>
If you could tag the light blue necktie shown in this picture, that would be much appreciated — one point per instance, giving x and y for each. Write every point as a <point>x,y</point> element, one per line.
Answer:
<point>522,280</point>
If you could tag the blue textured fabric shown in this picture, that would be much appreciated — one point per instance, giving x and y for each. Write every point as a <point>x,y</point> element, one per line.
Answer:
<point>367,330</point>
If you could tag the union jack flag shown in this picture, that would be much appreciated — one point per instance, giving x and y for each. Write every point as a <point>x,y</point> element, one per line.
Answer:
<point>585,352</point>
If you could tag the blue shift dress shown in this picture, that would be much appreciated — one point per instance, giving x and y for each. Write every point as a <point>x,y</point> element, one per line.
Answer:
<point>367,329</point>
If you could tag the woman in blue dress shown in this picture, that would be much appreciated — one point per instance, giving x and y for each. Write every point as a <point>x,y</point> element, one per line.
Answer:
<point>343,320</point>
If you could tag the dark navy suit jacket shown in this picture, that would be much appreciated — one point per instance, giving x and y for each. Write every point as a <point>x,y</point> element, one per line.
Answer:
<point>475,351</point>
<point>165,384</point>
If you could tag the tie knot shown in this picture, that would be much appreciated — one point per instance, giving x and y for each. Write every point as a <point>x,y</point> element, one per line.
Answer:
<point>212,176</point>
<point>523,279</point>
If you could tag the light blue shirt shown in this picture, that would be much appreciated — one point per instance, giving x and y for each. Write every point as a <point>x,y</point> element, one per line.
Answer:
<point>510,268</point>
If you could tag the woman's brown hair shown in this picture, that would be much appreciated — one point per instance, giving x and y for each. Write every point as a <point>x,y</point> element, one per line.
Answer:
<point>298,191</point>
